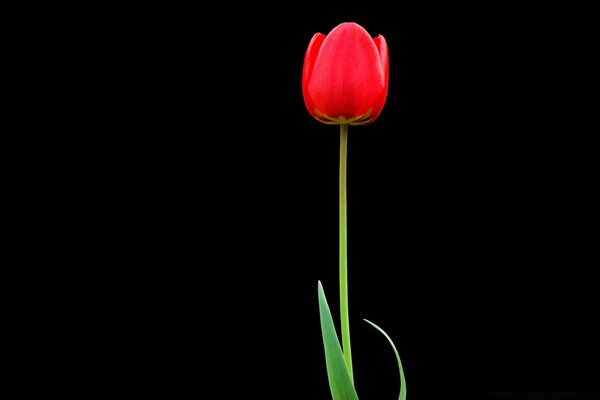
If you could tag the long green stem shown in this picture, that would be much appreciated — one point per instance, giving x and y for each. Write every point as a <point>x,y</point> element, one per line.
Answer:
<point>345,321</point>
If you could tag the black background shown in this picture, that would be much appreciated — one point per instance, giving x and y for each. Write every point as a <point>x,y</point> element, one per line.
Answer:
<point>471,203</point>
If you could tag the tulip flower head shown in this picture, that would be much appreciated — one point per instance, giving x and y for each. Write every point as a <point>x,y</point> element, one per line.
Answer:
<point>345,76</point>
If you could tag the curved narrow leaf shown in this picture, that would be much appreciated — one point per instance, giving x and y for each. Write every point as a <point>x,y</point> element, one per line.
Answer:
<point>402,380</point>
<point>339,379</point>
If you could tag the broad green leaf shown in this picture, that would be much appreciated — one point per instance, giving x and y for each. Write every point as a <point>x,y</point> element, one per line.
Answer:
<point>339,379</point>
<point>402,381</point>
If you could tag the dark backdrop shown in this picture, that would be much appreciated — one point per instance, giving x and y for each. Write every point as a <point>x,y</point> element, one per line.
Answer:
<point>471,201</point>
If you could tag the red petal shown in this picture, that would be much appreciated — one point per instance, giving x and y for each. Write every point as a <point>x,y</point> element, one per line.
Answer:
<point>382,48</point>
<point>348,79</point>
<point>381,45</point>
<point>309,61</point>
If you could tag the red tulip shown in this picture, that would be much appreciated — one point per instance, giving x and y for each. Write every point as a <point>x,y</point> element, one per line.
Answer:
<point>345,76</point>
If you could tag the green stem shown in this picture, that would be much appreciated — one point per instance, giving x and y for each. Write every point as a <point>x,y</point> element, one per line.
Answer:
<point>345,321</point>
